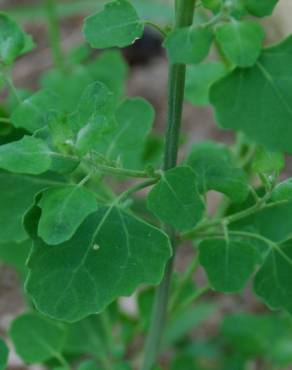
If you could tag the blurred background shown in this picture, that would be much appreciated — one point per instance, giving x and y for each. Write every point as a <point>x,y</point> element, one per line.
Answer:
<point>146,68</point>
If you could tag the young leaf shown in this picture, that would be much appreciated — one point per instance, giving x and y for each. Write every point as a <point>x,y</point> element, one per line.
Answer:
<point>175,199</point>
<point>125,143</point>
<point>282,191</point>
<point>241,90</point>
<point>36,111</point>
<point>188,45</point>
<point>36,339</point>
<point>64,209</point>
<point>112,253</point>
<point>11,40</point>
<point>260,8</point>
<point>268,162</point>
<point>199,79</point>
<point>212,163</point>
<point>228,264</point>
<point>3,355</point>
<point>272,281</point>
<point>16,195</point>
<point>28,155</point>
<point>241,41</point>
<point>117,25</point>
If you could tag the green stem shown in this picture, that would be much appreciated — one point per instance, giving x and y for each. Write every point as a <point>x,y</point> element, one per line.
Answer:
<point>9,81</point>
<point>54,32</point>
<point>184,10</point>
<point>197,294</point>
<point>134,189</point>
<point>5,120</point>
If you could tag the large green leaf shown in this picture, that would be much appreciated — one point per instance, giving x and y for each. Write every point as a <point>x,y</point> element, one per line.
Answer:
<point>228,263</point>
<point>16,196</point>
<point>36,339</point>
<point>28,155</point>
<point>112,253</point>
<point>267,119</point>
<point>272,282</point>
<point>189,45</point>
<point>175,199</point>
<point>3,355</point>
<point>36,111</point>
<point>199,79</point>
<point>117,25</point>
<point>11,39</point>
<point>214,167</point>
<point>260,8</point>
<point>125,143</point>
<point>241,41</point>
<point>64,209</point>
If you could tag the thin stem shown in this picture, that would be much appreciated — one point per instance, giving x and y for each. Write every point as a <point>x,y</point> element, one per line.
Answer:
<point>134,189</point>
<point>62,360</point>
<point>184,10</point>
<point>54,32</point>
<point>5,120</point>
<point>9,81</point>
<point>190,299</point>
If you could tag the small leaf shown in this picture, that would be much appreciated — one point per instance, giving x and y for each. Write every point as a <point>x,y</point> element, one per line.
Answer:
<point>63,211</point>
<point>241,41</point>
<point>260,8</point>
<point>112,253</point>
<point>117,25</point>
<point>267,120</point>
<point>188,45</point>
<point>199,79</point>
<point>214,5</point>
<point>175,199</point>
<point>125,143</point>
<point>213,165</point>
<point>11,40</point>
<point>36,111</point>
<point>35,338</point>
<point>228,264</point>
<point>28,155</point>
<point>282,191</point>
<point>3,355</point>
<point>268,162</point>
<point>272,281</point>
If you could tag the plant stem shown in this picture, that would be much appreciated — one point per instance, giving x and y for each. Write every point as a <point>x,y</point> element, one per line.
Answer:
<point>54,33</point>
<point>9,81</point>
<point>184,10</point>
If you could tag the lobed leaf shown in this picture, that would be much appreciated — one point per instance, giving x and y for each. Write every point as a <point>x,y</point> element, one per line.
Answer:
<point>266,120</point>
<point>28,155</point>
<point>112,253</point>
<point>117,25</point>
<point>189,45</point>
<point>228,263</point>
<point>241,41</point>
<point>64,209</point>
<point>175,199</point>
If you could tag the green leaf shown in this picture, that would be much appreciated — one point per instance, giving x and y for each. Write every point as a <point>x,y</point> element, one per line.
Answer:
<point>175,199</point>
<point>266,120</point>
<point>36,339</point>
<point>69,85</point>
<point>228,264</point>
<point>88,365</point>
<point>214,167</point>
<point>260,8</point>
<point>95,101</point>
<point>125,143</point>
<point>117,25</point>
<point>268,162</point>
<point>241,41</point>
<point>272,281</point>
<point>199,79</point>
<point>15,254</point>
<point>36,111</point>
<point>214,5</point>
<point>3,355</point>
<point>64,209</point>
<point>112,253</point>
<point>189,45</point>
<point>111,69</point>
<point>282,191</point>
<point>28,155</point>
<point>11,40</point>
<point>16,195</point>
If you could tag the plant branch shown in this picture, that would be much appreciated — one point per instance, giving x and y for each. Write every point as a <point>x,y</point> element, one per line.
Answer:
<point>184,10</point>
